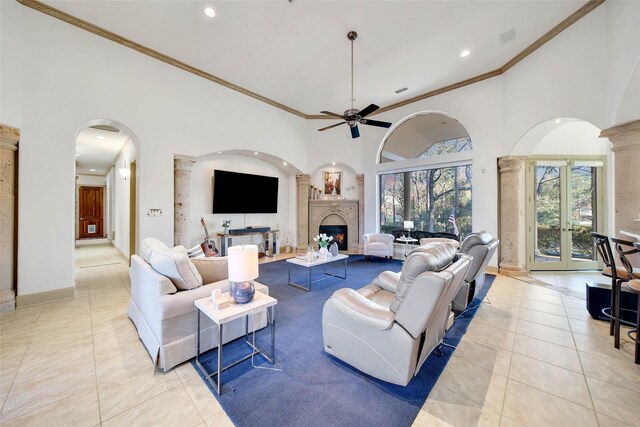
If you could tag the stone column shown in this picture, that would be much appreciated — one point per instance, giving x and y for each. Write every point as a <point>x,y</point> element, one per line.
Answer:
<point>626,148</point>
<point>9,138</point>
<point>360,182</point>
<point>304,186</point>
<point>512,216</point>
<point>182,198</point>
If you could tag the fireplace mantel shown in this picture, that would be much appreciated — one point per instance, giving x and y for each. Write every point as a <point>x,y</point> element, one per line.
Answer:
<point>348,210</point>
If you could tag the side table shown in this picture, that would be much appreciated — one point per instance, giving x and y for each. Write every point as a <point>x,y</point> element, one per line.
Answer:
<point>407,241</point>
<point>235,311</point>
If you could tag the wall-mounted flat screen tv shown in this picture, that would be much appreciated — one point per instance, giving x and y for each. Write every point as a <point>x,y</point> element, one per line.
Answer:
<point>235,192</point>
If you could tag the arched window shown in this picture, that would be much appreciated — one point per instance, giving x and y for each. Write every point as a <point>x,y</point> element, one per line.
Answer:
<point>437,198</point>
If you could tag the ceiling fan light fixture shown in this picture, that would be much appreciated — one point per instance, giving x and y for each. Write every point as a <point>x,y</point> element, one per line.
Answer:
<point>465,53</point>
<point>209,12</point>
<point>353,116</point>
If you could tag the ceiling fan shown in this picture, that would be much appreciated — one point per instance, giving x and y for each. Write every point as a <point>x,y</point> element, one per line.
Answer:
<point>353,117</point>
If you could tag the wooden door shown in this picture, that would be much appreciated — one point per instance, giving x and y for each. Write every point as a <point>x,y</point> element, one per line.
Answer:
<point>91,212</point>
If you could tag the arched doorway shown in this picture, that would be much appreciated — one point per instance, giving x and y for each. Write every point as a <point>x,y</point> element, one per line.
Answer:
<point>565,191</point>
<point>106,193</point>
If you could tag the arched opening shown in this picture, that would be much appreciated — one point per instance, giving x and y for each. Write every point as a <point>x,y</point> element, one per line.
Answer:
<point>565,193</point>
<point>106,171</point>
<point>425,175</point>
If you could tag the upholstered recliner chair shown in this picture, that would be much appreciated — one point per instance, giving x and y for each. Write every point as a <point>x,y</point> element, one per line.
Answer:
<point>378,244</point>
<point>481,246</point>
<point>388,332</point>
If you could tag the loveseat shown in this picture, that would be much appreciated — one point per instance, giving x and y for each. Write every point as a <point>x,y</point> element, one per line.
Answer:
<point>387,330</point>
<point>165,317</point>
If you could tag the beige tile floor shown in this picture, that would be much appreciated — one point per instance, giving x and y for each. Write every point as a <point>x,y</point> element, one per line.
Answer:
<point>532,356</point>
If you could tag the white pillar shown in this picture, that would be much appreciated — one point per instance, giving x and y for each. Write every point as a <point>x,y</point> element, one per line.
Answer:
<point>303,186</point>
<point>182,199</point>
<point>626,148</point>
<point>512,216</point>
<point>9,138</point>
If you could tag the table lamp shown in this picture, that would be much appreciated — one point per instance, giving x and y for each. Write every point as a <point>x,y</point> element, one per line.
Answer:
<point>243,268</point>
<point>408,225</point>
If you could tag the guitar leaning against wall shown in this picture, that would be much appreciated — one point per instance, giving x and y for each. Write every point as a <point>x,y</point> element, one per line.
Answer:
<point>208,245</point>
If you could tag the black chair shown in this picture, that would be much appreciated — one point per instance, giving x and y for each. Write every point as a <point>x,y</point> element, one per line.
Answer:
<point>609,269</point>
<point>634,286</point>
<point>624,248</point>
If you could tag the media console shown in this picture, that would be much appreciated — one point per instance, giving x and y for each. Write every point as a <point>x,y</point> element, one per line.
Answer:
<point>269,238</point>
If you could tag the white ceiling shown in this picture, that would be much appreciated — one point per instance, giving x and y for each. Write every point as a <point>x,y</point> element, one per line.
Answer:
<point>298,54</point>
<point>97,153</point>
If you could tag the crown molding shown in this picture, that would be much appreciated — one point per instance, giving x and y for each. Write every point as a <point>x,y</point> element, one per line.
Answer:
<point>99,31</point>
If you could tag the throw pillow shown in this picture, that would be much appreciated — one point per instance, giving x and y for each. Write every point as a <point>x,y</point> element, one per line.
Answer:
<point>212,269</point>
<point>149,245</point>
<point>177,267</point>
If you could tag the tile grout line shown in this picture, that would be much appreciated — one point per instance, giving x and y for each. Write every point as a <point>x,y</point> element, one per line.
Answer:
<point>21,360</point>
<point>95,364</point>
<point>584,376</point>
<point>506,386</point>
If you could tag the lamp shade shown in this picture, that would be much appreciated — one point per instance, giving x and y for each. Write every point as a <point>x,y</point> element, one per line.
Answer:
<point>408,225</point>
<point>243,263</point>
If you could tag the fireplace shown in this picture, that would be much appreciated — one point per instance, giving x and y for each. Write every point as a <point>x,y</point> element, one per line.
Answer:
<point>339,233</point>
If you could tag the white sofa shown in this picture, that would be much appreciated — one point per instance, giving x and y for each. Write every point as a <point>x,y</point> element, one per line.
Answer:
<point>166,319</point>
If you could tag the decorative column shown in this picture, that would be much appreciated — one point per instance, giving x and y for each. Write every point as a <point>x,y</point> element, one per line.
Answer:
<point>304,186</point>
<point>360,182</point>
<point>512,216</point>
<point>182,198</point>
<point>626,148</point>
<point>9,138</point>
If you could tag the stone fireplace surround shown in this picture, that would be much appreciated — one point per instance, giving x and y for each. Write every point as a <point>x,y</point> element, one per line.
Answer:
<point>334,212</point>
<point>315,212</point>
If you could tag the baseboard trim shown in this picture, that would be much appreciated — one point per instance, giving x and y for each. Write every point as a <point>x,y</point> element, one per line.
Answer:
<point>44,297</point>
<point>492,269</point>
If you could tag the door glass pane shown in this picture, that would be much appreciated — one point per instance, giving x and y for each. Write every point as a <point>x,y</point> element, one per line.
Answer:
<point>547,208</point>
<point>583,212</point>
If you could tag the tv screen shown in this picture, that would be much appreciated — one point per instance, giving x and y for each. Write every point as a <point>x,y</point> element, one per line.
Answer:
<point>235,192</point>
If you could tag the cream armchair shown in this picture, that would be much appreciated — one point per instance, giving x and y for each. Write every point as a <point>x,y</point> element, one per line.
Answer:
<point>389,332</point>
<point>378,244</point>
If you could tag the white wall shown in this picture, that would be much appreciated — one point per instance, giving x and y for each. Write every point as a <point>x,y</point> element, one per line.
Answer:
<point>169,111</point>
<point>55,77</point>
<point>122,201</point>
<point>202,202</point>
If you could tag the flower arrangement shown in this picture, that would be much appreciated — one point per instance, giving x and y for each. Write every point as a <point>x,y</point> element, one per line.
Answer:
<point>226,223</point>
<point>323,240</point>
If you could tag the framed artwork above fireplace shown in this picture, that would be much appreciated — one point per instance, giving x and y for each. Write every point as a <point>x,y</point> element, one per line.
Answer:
<point>332,183</point>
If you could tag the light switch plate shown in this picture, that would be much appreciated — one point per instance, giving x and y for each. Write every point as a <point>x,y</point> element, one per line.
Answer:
<point>154,212</point>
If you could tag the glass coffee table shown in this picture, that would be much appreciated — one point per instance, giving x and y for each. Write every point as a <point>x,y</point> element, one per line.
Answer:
<point>318,262</point>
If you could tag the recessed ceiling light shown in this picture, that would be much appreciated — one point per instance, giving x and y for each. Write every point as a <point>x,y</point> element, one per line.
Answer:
<point>333,163</point>
<point>558,121</point>
<point>255,152</point>
<point>284,163</point>
<point>209,12</point>
<point>219,152</point>
<point>92,170</point>
<point>465,53</point>
<point>101,137</point>
<point>77,154</point>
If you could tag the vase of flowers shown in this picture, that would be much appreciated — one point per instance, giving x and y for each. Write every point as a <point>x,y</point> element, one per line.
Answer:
<point>225,225</point>
<point>323,240</point>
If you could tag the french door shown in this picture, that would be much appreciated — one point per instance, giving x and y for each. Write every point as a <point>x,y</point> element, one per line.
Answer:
<point>565,199</point>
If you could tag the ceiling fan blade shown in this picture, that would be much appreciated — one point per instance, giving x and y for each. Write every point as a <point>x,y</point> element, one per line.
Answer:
<point>376,123</point>
<point>368,110</point>
<point>355,133</point>
<point>332,126</point>
<point>329,113</point>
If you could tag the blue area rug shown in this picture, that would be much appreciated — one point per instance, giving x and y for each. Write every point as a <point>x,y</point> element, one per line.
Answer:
<point>315,389</point>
